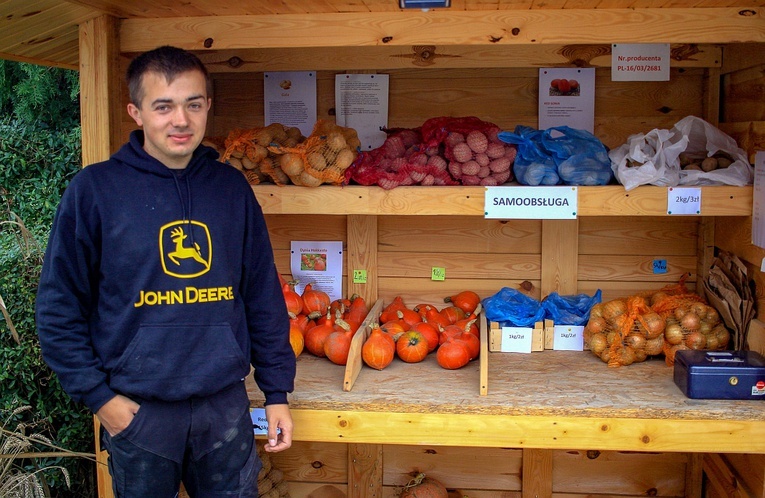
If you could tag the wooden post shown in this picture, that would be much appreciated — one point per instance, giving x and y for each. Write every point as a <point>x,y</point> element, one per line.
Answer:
<point>362,255</point>
<point>99,88</point>
<point>365,470</point>
<point>560,256</point>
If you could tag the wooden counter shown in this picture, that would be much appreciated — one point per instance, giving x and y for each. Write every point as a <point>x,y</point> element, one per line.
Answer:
<point>550,399</point>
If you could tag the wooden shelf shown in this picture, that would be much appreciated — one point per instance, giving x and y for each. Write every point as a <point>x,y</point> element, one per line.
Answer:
<point>550,399</point>
<point>609,200</point>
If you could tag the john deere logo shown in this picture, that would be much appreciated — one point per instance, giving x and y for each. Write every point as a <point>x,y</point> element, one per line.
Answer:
<point>186,249</point>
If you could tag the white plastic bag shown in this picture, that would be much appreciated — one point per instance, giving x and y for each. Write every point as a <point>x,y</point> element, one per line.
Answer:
<point>648,159</point>
<point>705,140</point>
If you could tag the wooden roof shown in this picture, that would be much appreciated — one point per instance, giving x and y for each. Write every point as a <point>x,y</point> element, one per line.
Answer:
<point>46,31</point>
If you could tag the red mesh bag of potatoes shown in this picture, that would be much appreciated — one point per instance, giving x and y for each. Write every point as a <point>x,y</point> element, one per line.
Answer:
<point>474,153</point>
<point>402,159</point>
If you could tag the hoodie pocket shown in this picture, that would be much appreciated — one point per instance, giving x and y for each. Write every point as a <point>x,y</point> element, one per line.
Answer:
<point>175,362</point>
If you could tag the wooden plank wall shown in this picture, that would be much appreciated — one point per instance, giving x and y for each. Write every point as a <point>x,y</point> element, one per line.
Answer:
<point>504,96</point>
<point>320,470</point>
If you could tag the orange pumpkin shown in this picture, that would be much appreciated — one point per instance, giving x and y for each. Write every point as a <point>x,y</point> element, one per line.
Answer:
<point>412,347</point>
<point>379,349</point>
<point>424,487</point>
<point>466,300</point>
<point>296,339</point>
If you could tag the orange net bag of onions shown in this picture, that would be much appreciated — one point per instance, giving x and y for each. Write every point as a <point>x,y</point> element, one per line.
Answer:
<point>624,331</point>
<point>248,151</point>
<point>690,323</point>
<point>322,158</point>
<point>628,330</point>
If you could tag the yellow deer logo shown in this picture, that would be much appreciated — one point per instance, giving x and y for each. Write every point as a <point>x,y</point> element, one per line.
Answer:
<point>182,252</point>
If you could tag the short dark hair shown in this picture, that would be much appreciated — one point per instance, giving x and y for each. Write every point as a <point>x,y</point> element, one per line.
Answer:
<point>167,61</point>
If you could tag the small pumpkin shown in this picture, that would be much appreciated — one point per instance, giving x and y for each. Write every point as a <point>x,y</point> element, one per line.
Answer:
<point>358,309</point>
<point>338,344</point>
<point>315,302</point>
<point>379,349</point>
<point>315,337</point>
<point>453,313</point>
<point>453,354</point>
<point>422,486</point>
<point>429,331</point>
<point>412,347</point>
<point>296,339</point>
<point>466,300</point>
<point>389,312</point>
<point>292,299</point>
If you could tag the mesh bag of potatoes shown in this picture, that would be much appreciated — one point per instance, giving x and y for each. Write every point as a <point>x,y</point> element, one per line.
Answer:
<point>248,151</point>
<point>628,330</point>
<point>322,158</point>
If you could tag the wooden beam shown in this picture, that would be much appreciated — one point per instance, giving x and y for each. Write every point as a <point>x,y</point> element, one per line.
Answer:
<point>442,28</point>
<point>99,88</point>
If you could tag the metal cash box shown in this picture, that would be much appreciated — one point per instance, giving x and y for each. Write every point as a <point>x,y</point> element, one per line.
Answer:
<point>720,374</point>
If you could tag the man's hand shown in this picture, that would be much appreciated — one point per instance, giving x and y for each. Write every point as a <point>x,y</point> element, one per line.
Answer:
<point>278,417</point>
<point>117,414</point>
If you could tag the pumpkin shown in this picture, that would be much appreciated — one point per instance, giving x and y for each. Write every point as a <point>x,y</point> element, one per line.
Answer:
<point>379,349</point>
<point>395,327</point>
<point>408,316</point>
<point>429,331</point>
<point>338,343</point>
<point>412,347</point>
<point>339,305</point>
<point>435,318</point>
<point>466,300</point>
<point>389,312</point>
<point>303,322</point>
<point>453,313</point>
<point>296,339</point>
<point>424,487</point>
<point>315,302</point>
<point>292,299</point>
<point>471,341</point>
<point>358,310</point>
<point>453,354</point>
<point>316,336</point>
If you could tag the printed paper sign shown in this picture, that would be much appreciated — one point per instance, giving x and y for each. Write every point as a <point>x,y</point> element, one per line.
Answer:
<point>567,98</point>
<point>259,422</point>
<point>758,208</point>
<point>530,203</point>
<point>319,263</point>
<point>290,99</point>
<point>640,62</point>
<point>568,337</point>
<point>683,200</point>
<point>361,102</point>
<point>516,340</point>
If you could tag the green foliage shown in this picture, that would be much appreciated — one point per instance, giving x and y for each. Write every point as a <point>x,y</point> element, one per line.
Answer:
<point>40,152</point>
<point>37,166</point>
<point>47,96</point>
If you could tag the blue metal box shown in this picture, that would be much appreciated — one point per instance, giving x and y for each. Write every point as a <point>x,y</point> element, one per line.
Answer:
<point>720,374</point>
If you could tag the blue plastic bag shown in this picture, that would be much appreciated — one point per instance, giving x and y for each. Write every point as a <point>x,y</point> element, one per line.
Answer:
<point>569,310</point>
<point>533,164</point>
<point>581,157</point>
<point>558,155</point>
<point>512,308</point>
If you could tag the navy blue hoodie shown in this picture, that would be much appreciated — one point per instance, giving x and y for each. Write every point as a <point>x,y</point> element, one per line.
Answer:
<point>161,284</point>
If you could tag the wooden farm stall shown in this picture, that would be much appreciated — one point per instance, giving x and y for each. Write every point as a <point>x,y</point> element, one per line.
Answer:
<point>550,423</point>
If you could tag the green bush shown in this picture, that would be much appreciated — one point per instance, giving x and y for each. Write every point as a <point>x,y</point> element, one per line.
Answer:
<point>37,164</point>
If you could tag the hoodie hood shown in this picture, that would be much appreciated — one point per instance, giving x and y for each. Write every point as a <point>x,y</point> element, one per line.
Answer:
<point>133,154</point>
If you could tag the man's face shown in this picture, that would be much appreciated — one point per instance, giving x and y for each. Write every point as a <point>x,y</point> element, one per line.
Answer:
<point>173,116</point>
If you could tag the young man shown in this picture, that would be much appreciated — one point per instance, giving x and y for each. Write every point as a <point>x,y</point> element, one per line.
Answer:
<point>158,292</point>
